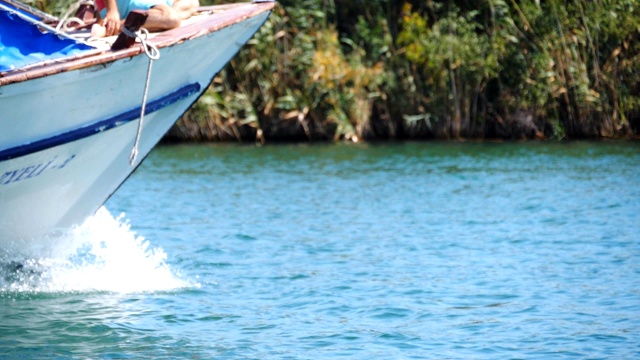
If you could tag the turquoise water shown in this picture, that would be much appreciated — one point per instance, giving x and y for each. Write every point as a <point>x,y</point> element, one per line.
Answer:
<point>409,250</point>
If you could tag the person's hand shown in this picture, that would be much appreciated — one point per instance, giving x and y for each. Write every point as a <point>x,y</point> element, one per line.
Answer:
<point>112,22</point>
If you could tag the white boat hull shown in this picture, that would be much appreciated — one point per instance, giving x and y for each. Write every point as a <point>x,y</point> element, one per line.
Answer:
<point>65,139</point>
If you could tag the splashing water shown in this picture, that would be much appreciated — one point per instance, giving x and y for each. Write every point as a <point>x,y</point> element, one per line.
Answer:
<point>102,254</point>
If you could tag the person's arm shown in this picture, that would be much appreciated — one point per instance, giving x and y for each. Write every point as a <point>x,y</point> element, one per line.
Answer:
<point>112,22</point>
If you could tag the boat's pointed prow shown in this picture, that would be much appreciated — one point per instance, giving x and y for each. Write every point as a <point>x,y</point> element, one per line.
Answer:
<point>77,112</point>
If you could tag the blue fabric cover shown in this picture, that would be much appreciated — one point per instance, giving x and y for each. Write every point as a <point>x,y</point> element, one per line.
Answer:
<point>21,43</point>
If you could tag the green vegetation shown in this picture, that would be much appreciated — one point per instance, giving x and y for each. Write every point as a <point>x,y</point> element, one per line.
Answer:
<point>351,70</point>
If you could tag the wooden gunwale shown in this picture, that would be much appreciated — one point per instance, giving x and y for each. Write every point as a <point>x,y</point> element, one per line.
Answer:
<point>221,16</point>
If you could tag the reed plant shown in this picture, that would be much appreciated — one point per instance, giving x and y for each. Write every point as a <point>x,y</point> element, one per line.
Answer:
<point>293,81</point>
<point>434,69</point>
<point>346,70</point>
<point>57,7</point>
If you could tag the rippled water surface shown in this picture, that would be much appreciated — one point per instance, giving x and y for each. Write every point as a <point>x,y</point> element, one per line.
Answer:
<point>410,250</point>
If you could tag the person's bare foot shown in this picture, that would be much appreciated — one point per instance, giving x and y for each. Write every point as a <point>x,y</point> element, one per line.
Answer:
<point>185,8</point>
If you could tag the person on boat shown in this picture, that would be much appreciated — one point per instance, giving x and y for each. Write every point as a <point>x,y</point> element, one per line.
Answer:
<point>163,14</point>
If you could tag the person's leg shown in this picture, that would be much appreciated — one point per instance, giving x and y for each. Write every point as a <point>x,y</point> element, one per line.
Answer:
<point>162,17</point>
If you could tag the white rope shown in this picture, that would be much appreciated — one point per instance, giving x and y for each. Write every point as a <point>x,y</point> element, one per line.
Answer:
<point>154,54</point>
<point>69,23</point>
<point>65,20</point>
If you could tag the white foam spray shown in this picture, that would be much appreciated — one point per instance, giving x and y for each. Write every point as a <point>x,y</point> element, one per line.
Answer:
<point>102,254</point>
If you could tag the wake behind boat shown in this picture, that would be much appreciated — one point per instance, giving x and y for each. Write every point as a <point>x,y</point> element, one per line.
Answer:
<point>70,107</point>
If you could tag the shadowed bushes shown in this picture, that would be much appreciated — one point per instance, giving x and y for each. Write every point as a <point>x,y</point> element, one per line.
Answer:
<point>351,70</point>
<point>430,69</point>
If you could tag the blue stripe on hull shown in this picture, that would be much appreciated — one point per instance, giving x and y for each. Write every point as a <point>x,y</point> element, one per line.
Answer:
<point>99,126</point>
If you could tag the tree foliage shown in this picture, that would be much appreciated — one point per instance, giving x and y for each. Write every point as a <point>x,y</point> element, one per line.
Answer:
<point>356,69</point>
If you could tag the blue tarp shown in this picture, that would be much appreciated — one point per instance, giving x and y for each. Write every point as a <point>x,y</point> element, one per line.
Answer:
<point>21,43</point>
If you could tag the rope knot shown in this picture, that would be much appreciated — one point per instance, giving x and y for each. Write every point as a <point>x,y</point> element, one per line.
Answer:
<point>151,50</point>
